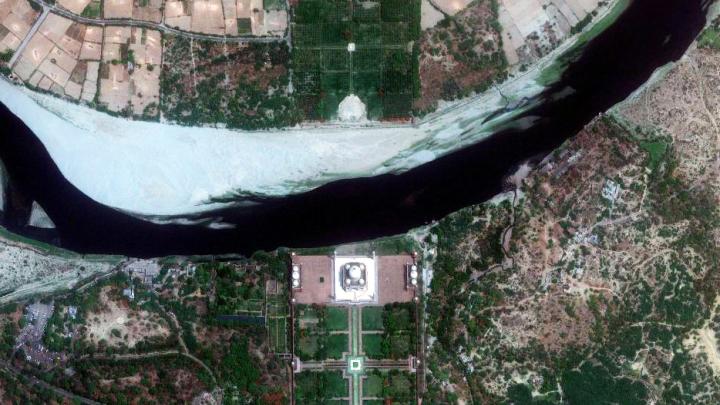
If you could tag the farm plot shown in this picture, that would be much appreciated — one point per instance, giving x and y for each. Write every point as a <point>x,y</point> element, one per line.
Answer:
<point>365,48</point>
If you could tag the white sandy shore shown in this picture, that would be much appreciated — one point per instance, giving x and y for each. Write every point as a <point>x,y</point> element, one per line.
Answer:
<point>27,270</point>
<point>161,169</point>
<point>39,218</point>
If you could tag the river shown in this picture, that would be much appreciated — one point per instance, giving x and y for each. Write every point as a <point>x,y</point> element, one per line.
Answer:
<point>648,35</point>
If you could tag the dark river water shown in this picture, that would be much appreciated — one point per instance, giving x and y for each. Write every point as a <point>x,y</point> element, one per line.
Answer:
<point>648,35</point>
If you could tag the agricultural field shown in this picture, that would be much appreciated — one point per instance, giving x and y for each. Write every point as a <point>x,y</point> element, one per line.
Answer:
<point>129,72</point>
<point>86,8</point>
<point>355,47</point>
<point>235,85</point>
<point>147,10</point>
<point>16,18</point>
<point>63,57</point>
<point>532,29</point>
<point>228,17</point>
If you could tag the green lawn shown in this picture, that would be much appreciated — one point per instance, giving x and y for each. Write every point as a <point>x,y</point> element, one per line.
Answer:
<point>400,346</point>
<point>336,318</point>
<point>336,345</point>
<point>277,328</point>
<point>401,388</point>
<point>335,385</point>
<point>656,151</point>
<point>307,347</point>
<point>372,345</point>
<point>320,387</point>
<point>373,386</point>
<point>399,318</point>
<point>710,38</point>
<point>372,318</point>
<point>306,312</point>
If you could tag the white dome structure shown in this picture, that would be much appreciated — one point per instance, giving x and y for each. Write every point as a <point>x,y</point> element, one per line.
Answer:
<point>355,273</point>
<point>352,109</point>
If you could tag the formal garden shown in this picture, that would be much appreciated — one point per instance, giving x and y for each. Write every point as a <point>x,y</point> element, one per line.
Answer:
<point>321,387</point>
<point>322,332</point>
<point>389,332</point>
<point>394,386</point>
<point>381,69</point>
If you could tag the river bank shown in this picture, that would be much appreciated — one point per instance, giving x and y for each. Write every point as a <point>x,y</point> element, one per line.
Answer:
<point>159,169</point>
<point>390,202</point>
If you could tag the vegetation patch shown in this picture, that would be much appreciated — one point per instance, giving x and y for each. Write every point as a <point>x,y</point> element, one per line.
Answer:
<point>337,344</point>
<point>380,70</point>
<point>372,318</point>
<point>710,37</point>
<point>336,318</point>
<point>319,387</point>
<point>235,85</point>
<point>373,345</point>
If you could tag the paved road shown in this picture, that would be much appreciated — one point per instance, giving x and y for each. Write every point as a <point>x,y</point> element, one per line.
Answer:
<point>29,35</point>
<point>128,22</point>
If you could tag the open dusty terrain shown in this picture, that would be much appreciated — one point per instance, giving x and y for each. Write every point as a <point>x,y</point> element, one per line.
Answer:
<point>609,257</point>
<point>26,270</point>
<point>460,56</point>
<point>686,105</point>
<point>117,324</point>
<point>533,28</point>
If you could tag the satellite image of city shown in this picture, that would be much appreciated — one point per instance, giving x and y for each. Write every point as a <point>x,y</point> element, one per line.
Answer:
<point>360,202</point>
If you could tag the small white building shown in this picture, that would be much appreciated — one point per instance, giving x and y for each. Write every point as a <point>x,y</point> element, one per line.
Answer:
<point>611,190</point>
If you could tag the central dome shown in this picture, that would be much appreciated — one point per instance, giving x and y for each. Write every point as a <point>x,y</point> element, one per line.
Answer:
<point>352,109</point>
<point>355,272</point>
